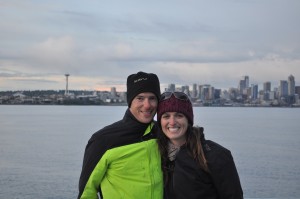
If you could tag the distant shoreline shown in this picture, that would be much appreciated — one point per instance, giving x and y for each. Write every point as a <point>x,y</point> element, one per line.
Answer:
<point>125,104</point>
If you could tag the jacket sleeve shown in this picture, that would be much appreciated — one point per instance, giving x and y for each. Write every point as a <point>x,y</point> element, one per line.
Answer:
<point>225,175</point>
<point>93,169</point>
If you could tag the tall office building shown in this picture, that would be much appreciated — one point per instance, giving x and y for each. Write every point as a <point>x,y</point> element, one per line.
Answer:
<point>242,86</point>
<point>171,87</point>
<point>266,90</point>
<point>283,88</point>
<point>272,95</point>
<point>194,91</point>
<point>246,78</point>
<point>291,85</point>
<point>186,90</point>
<point>267,87</point>
<point>211,93</point>
<point>254,91</point>
<point>205,93</point>
<point>200,91</point>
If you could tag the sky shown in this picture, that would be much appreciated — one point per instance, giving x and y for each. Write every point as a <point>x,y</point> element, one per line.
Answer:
<point>100,42</point>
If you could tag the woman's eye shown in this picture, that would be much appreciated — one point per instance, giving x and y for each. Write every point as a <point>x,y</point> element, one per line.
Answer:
<point>180,115</point>
<point>165,116</point>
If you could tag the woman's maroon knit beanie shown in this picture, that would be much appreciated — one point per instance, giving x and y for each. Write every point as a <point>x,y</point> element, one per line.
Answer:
<point>173,104</point>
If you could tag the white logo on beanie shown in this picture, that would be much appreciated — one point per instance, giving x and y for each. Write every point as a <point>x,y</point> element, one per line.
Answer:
<point>140,79</point>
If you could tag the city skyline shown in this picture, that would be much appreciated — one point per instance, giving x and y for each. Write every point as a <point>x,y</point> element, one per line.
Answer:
<point>164,87</point>
<point>100,43</point>
<point>246,94</point>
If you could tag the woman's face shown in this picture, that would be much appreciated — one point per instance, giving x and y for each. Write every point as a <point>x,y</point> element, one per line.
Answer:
<point>174,125</point>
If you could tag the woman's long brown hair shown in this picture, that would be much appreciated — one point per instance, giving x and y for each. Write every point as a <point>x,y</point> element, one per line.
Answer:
<point>194,140</point>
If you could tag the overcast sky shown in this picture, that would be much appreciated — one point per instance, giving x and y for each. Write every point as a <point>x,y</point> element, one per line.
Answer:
<point>99,43</point>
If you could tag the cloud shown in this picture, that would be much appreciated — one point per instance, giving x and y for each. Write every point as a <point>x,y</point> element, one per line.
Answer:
<point>54,51</point>
<point>100,43</point>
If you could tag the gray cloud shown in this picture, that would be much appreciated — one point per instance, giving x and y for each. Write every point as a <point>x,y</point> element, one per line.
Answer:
<point>100,43</point>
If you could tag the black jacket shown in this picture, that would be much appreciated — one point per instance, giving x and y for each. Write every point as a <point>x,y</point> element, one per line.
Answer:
<point>111,158</point>
<point>189,181</point>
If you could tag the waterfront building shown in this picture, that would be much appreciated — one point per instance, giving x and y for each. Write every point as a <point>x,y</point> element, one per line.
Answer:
<point>291,85</point>
<point>194,91</point>
<point>186,90</point>
<point>272,95</point>
<point>254,91</point>
<point>217,93</point>
<point>113,92</point>
<point>225,95</point>
<point>204,93</point>
<point>283,88</point>
<point>242,86</point>
<point>266,90</point>
<point>233,93</point>
<point>211,93</point>
<point>246,78</point>
<point>297,99</point>
<point>297,90</point>
<point>200,87</point>
<point>267,87</point>
<point>171,87</point>
<point>248,92</point>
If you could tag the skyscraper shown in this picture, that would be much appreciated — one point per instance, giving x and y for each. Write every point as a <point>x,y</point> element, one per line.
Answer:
<point>267,87</point>
<point>283,88</point>
<point>186,90</point>
<point>291,85</point>
<point>242,86</point>
<point>266,90</point>
<point>171,87</point>
<point>194,91</point>
<point>246,78</point>
<point>254,91</point>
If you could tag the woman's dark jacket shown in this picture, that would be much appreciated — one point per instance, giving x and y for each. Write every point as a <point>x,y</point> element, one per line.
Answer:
<point>189,181</point>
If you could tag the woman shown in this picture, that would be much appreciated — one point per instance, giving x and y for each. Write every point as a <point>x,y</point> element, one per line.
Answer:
<point>194,168</point>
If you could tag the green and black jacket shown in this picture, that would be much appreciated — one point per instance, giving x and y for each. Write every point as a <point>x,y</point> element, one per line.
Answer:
<point>122,160</point>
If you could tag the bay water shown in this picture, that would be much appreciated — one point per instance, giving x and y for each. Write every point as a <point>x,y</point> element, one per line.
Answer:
<point>42,147</point>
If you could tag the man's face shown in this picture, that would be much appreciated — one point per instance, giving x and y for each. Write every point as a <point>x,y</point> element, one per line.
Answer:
<point>144,106</point>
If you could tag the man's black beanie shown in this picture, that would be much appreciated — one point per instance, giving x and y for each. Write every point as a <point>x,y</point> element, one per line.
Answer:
<point>142,82</point>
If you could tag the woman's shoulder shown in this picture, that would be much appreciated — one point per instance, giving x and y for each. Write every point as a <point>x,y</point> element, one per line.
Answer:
<point>213,146</point>
<point>217,154</point>
<point>208,145</point>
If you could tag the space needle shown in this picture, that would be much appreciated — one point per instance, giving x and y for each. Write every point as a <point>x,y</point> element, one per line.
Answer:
<point>67,84</point>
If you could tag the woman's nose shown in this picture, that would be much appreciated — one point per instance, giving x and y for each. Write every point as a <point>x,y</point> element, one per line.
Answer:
<point>172,120</point>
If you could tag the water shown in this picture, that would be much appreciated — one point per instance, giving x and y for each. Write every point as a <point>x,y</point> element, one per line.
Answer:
<point>41,147</point>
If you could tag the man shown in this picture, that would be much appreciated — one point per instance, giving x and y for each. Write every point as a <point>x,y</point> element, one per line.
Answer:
<point>122,160</point>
